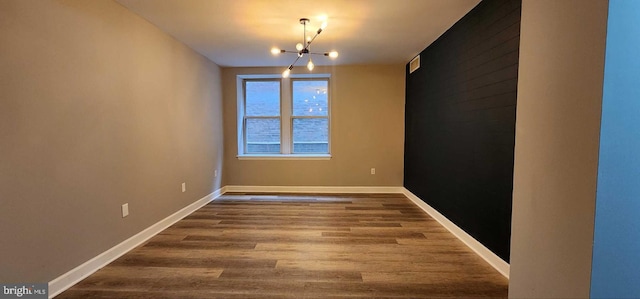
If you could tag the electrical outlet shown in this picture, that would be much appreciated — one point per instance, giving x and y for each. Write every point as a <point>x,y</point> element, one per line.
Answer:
<point>215,173</point>
<point>125,210</point>
<point>373,171</point>
<point>184,187</point>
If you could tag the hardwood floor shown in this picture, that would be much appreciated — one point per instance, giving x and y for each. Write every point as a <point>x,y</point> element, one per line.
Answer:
<point>299,246</point>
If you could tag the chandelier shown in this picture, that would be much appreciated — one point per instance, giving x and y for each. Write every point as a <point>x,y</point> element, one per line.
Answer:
<point>304,48</point>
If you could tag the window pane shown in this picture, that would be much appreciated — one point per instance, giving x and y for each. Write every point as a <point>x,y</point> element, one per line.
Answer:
<point>310,135</point>
<point>262,98</point>
<point>310,98</point>
<point>263,135</point>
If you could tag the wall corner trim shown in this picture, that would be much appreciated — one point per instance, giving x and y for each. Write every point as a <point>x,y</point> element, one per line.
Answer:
<point>491,258</point>
<point>73,276</point>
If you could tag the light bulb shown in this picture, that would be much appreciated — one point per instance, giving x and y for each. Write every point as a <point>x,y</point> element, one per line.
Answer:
<point>333,54</point>
<point>286,73</point>
<point>310,65</point>
<point>324,25</point>
<point>275,51</point>
<point>299,47</point>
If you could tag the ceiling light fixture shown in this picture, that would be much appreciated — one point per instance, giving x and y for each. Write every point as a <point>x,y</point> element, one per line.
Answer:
<point>304,48</point>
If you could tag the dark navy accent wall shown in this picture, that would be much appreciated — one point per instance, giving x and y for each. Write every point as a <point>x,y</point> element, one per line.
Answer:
<point>460,123</point>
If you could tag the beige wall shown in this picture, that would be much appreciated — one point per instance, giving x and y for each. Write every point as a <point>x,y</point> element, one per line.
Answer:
<point>97,108</point>
<point>556,153</point>
<point>367,130</point>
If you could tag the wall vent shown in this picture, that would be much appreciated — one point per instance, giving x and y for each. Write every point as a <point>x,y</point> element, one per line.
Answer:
<point>414,64</point>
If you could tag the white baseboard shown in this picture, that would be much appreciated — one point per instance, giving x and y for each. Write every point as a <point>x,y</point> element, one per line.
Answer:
<point>79,273</point>
<point>491,258</point>
<point>315,189</point>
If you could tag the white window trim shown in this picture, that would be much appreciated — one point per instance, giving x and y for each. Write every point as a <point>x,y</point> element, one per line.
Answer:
<point>286,118</point>
<point>284,157</point>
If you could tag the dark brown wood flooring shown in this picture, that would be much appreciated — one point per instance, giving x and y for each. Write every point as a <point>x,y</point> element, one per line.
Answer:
<point>299,246</point>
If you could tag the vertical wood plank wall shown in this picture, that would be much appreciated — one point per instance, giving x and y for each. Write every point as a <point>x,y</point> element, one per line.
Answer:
<point>460,122</point>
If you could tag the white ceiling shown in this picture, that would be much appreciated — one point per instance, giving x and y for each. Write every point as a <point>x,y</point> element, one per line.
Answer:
<point>242,32</point>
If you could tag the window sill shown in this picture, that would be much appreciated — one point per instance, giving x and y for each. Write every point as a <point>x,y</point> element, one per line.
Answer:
<point>285,157</point>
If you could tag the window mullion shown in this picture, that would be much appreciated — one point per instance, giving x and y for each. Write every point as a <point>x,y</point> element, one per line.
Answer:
<point>285,113</point>
<point>244,134</point>
<point>242,92</point>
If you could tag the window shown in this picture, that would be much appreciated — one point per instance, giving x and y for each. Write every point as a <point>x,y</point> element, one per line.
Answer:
<point>283,117</point>
<point>310,116</point>
<point>262,117</point>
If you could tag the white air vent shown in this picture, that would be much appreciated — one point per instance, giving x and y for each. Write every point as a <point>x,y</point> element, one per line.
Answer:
<point>414,64</point>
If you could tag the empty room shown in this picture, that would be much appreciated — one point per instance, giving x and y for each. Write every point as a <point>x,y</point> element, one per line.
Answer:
<point>327,149</point>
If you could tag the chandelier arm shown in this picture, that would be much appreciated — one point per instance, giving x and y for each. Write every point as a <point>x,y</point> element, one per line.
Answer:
<point>314,53</point>
<point>309,43</point>
<point>294,62</point>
